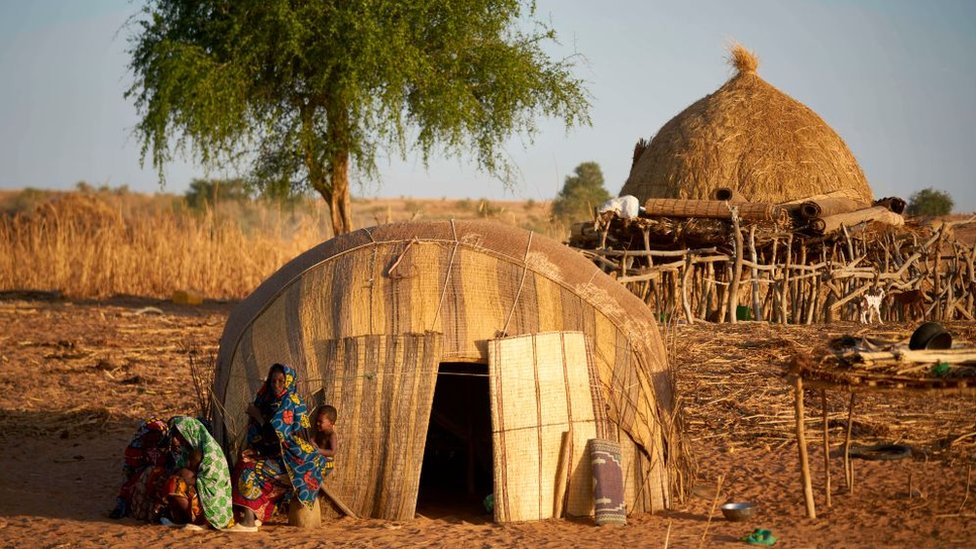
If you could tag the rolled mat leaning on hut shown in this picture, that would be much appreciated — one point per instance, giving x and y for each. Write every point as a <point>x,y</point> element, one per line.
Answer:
<point>278,463</point>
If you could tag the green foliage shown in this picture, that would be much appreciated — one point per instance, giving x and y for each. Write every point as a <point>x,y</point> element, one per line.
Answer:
<point>581,193</point>
<point>204,193</point>
<point>930,202</point>
<point>307,90</point>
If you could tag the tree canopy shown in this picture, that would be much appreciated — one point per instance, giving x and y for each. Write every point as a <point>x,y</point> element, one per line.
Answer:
<point>305,90</point>
<point>930,202</point>
<point>581,192</point>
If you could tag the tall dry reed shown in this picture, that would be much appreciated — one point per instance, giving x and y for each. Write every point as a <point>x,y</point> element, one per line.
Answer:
<point>97,244</point>
<point>94,246</point>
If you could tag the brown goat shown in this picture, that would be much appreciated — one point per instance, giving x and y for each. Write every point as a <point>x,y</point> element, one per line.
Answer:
<point>910,304</point>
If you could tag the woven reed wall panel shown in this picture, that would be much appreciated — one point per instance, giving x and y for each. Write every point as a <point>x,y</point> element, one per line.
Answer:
<point>484,312</point>
<point>426,287</point>
<point>299,358</point>
<point>517,285</point>
<point>359,293</point>
<point>539,386</point>
<point>383,388</point>
<point>269,339</point>
<point>236,397</point>
<point>549,299</point>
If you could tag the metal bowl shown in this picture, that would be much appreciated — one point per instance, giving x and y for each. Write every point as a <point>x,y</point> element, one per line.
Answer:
<point>738,511</point>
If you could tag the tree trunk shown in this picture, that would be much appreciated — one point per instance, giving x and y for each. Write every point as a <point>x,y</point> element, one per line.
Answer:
<point>339,201</point>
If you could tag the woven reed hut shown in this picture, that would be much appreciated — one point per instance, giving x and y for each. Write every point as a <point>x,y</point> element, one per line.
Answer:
<point>469,339</point>
<point>750,137</point>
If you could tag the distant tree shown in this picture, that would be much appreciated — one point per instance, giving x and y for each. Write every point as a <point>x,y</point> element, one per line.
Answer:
<point>930,202</point>
<point>582,192</point>
<point>309,89</point>
<point>207,192</point>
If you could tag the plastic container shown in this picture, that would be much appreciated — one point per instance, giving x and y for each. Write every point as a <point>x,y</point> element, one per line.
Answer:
<point>930,335</point>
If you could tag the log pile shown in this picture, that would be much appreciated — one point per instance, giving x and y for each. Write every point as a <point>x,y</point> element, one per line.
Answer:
<point>800,262</point>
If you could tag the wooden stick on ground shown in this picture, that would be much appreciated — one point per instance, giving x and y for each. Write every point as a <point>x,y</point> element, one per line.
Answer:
<point>801,441</point>
<point>848,465</point>
<point>718,492</point>
<point>826,445</point>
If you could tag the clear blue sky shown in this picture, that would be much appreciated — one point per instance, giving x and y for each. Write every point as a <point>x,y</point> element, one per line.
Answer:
<point>896,80</point>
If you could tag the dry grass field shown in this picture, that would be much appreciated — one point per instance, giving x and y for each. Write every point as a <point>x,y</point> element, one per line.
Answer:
<point>98,244</point>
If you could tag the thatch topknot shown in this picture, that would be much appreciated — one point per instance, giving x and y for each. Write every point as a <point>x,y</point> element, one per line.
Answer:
<point>742,59</point>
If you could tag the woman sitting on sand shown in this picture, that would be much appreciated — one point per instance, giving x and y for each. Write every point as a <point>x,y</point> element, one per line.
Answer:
<point>278,462</point>
<point>147,464</point>
<point>199,491</point>
<point>175,472</point>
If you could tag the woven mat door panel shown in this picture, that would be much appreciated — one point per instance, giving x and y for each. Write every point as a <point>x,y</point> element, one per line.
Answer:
<point>540,388</point>
<point>383,387</point>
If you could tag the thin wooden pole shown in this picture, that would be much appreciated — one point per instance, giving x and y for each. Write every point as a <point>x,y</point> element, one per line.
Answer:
<point>757,313</point>
<point>848,465</point>
<point>562,472</point>
<point>826,444</point>
<point>801,441</point>
<point>737,269</point>
<point>784,299</point>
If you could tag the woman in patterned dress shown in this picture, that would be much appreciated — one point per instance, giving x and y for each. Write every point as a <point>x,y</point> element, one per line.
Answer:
<point>278,462</point>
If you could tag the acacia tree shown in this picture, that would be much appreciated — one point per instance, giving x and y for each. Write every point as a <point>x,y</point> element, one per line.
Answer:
<point>581,192</point>
<point>305,90</point>
<point>930,202</point>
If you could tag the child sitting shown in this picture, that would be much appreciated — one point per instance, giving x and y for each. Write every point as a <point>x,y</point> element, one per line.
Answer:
<point>325,439</point>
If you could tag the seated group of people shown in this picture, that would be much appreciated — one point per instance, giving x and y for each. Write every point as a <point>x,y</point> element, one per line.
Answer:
<point>176,473</point>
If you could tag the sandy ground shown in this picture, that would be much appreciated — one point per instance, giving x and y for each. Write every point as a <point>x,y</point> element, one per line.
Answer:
<point>78,376</point>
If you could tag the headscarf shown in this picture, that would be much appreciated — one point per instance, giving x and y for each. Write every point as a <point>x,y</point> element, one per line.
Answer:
<point>291,423</point>
<point>213,476</point>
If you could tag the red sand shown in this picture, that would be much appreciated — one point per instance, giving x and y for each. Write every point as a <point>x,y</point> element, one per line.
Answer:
<point>76,381</point>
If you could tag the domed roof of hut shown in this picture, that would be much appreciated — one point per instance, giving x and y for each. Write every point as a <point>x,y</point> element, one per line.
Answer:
<point>379,320</point>
<point>750,137</point>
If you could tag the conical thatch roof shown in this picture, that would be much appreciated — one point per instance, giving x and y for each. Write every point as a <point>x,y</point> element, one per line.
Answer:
<point>750,137</point>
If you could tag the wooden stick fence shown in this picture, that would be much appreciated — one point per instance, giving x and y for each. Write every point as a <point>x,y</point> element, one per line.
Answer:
<point>697,267</point>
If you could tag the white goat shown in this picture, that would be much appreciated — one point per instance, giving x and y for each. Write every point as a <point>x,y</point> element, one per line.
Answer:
<point>871,306</point>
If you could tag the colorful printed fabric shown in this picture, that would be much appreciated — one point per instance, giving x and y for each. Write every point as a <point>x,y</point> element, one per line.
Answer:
<point>261,483</point>
<point>144,469</point>
<point>305,465</point>
<point>177,486</point>
<point>213,476</point>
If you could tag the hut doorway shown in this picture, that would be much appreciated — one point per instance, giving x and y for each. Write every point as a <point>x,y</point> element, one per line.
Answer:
<point>456,474</point>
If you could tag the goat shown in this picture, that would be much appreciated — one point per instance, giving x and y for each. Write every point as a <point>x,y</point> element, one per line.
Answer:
<point>910,304</point>
<point>871,306</point>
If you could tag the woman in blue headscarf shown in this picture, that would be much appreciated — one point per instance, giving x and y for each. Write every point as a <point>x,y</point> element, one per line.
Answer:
<point>278,462</point>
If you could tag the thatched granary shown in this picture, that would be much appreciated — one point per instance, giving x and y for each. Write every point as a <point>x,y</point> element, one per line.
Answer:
<point>461,338</point>
<point>750,137</point>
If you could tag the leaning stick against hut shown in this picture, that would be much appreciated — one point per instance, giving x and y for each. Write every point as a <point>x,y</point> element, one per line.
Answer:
<point>829,224</point>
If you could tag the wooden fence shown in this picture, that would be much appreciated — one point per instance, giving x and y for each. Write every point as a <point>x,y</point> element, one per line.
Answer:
<point>729,270</point>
